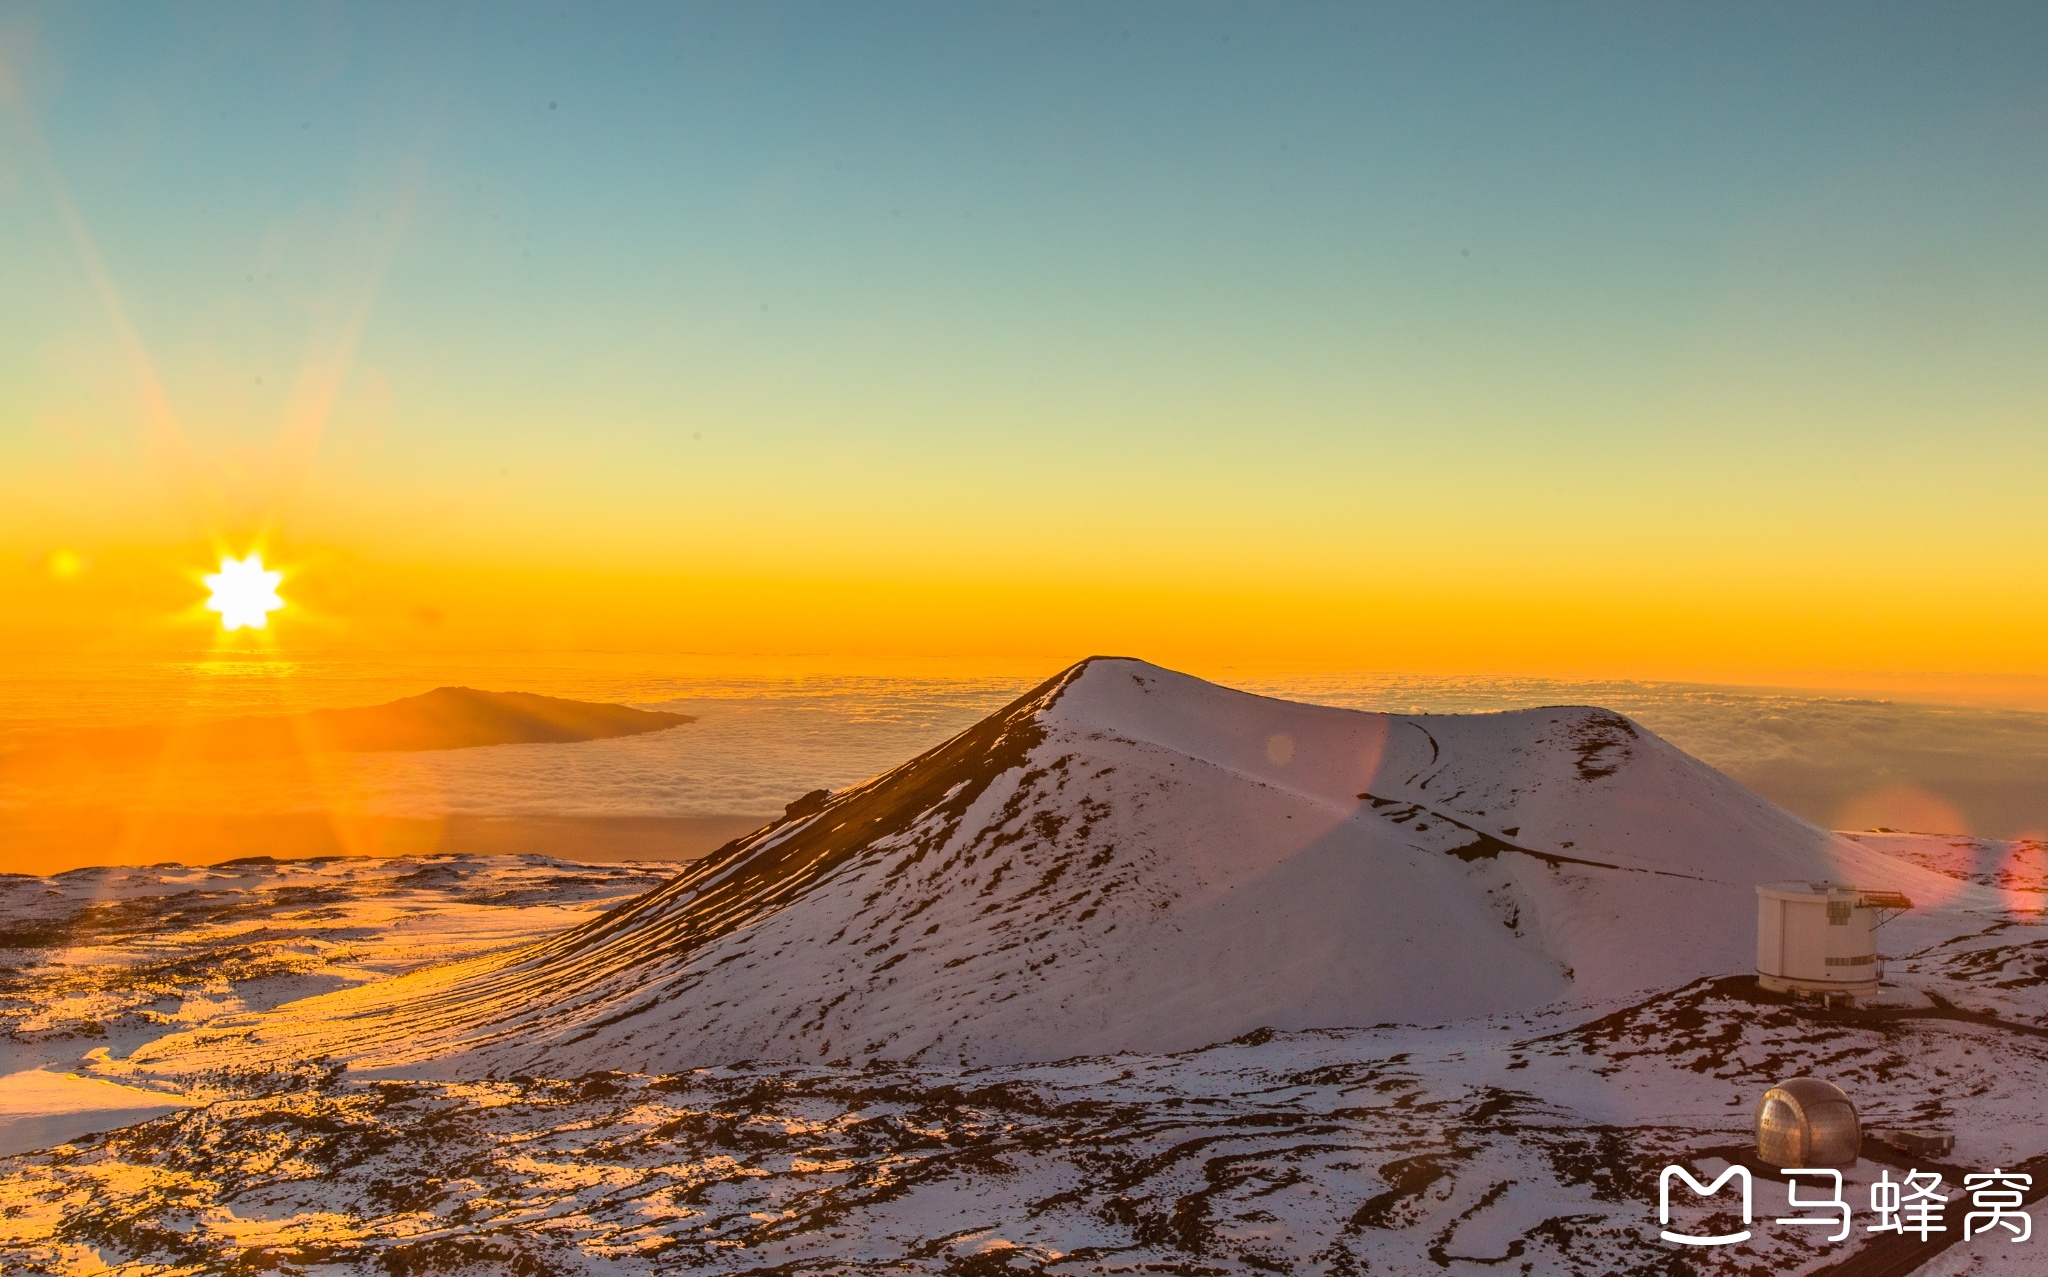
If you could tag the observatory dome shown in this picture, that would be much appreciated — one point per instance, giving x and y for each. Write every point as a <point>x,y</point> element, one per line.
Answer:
<point>1807,1122</point>
<point>1820,937</point>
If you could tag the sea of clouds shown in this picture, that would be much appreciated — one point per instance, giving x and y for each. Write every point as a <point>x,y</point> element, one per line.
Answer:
<point>758,742</point>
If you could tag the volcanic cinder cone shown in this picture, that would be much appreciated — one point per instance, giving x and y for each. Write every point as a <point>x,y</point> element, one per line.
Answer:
<point>1129,859</point>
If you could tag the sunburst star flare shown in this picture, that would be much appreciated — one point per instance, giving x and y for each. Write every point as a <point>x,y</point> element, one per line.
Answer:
<point>244,593</point>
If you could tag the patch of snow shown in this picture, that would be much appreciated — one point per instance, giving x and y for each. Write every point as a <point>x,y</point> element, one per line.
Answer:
<point>39,1108</point>
<point>1120,862</point>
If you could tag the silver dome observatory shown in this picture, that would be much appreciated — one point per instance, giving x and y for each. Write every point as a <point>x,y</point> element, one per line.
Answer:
<point>1807,1122</point>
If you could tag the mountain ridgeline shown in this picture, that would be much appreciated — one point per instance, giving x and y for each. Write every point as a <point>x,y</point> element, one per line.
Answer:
<point>1126,858</point>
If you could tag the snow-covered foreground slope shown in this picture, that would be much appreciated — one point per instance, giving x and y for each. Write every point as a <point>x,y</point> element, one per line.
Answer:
<point>1526,1146</point>
<point>97,962</point>
<point>1129,859</point>
<point>110,958</point>
<point>1524,1143</point>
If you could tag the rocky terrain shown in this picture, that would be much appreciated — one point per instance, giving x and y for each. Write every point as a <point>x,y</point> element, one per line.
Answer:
<point>1139,975</point>
<point>1131,859</point>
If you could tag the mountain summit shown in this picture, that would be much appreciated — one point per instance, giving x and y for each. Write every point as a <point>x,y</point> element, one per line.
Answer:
<point>1130,858</point>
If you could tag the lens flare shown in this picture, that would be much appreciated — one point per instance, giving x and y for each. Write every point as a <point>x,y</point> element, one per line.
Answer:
<point>244,593</point>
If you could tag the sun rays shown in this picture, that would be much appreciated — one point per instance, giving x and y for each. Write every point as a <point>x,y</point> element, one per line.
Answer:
<point>244,592</point>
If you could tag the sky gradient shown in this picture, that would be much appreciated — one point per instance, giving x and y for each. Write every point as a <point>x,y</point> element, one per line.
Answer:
<point>1687,342</point>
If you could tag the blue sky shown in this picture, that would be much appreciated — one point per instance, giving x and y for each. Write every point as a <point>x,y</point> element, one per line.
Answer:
<point>1221,292</point>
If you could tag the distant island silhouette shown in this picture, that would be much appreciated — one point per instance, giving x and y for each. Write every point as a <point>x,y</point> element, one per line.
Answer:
<point>445,718</point>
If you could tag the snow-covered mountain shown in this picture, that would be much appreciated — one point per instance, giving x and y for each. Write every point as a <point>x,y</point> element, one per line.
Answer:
<point>1128,858</point>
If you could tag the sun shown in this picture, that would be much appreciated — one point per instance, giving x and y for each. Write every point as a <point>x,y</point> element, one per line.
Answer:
<point>243,593</point>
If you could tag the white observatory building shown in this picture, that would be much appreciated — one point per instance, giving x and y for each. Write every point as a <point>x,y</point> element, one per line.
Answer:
<point>1821,937</point>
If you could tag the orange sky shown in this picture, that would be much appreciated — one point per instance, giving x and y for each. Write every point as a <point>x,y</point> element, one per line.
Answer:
<point>1960,648</point>
<point>1224,355</point>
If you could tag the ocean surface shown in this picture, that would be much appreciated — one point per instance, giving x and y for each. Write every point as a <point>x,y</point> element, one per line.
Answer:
<point>760,739</point>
